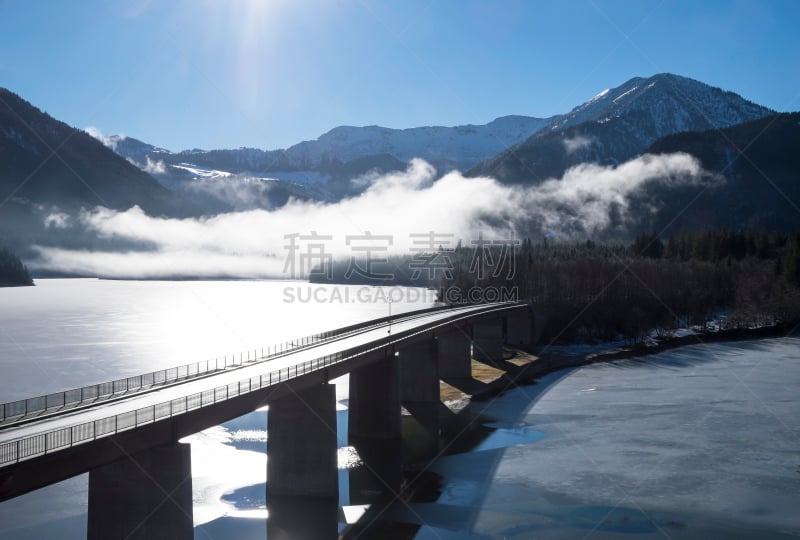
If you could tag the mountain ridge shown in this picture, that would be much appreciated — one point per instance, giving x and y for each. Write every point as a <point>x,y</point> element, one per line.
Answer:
<point>46,161</point>
<point>609,128</point>
<point>618,124</point>
<point>615,125</point>
<point>461,145</point>
<point>325,167</point>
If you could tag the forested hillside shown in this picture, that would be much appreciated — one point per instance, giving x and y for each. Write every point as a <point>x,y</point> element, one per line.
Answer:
<point>588,291</point>
<point>12,271</point>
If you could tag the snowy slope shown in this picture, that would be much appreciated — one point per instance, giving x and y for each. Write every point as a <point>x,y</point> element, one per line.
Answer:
<point>216,191</point>
<point>321,169</point>
<point>460,146</point>
<point>450,147</point>
<point>673,103</point>
<point>618,124</point>
<point>615,125</point>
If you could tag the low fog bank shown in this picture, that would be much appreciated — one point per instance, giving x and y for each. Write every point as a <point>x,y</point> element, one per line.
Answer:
<point>589,201</point>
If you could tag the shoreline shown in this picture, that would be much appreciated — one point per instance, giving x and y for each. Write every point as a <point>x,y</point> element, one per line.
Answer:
<point>534,366</point>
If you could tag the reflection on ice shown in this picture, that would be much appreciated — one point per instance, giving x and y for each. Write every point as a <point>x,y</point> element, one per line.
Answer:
<point>353,513</point>
<point>229,464</point>
<point>249,435</point>
<point>348,457</point>
<point>503,438</point>
<point>260,513</point>
<point>219,468</point>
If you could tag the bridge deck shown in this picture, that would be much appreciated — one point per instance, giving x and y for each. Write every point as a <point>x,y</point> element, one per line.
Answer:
<point>32,437</point>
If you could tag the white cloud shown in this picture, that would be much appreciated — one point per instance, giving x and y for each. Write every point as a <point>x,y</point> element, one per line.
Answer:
<point>110,141</point>
<point>152,166</point>
<point>237,192</point>
<point>253,243</point>
<point>57,220</point>
<point>582,200</point>
<point>578,142</point>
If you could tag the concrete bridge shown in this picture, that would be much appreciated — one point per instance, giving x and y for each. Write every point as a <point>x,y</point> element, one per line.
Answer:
<point>125,433</point>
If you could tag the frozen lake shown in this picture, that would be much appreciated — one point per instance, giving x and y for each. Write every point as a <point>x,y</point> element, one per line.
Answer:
<point>695,442</point>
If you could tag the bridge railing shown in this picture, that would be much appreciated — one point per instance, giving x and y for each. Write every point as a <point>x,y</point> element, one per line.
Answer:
<point>37,445</point>
<point>17,410</point>
<point>35,406</point>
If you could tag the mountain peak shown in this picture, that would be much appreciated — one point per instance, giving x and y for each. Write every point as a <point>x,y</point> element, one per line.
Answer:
<point>619,123</point>
<point>696,104</point>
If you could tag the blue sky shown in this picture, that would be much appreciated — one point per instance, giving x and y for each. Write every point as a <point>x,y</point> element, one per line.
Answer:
<point>268,74</point>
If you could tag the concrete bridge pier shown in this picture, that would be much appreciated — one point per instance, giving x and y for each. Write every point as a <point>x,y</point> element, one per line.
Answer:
<point>301,444</point>
<point>145,496</point>
<point>302,518</point>
<point>454,354</point>
<point>374,430</point>
<point>379,477</point>
<point>519,328</point>
<point>419,391</point>
<point>302,475</point>
<point>487,339</point>
<point>374,407</point>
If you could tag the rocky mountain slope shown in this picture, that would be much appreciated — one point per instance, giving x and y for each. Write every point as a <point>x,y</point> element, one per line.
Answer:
<point>323,168</point>
<point>45,161</point>
<point>619,124</point>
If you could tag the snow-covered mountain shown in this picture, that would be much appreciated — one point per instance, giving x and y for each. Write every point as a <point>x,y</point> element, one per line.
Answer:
<point>450,147</point>
<point>128,146</point>
<point>674,104</point>
<point>324,167</point>
<point>612,127</point>
<point>215,191</point>
<point>618,124</point>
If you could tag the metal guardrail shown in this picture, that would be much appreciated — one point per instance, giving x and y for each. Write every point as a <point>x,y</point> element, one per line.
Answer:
<point>37,445</point>
<point>20,409</point>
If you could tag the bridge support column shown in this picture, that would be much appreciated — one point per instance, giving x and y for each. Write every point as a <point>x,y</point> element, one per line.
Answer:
<point>302,477</point>
<point>301,444</point>
<point>302,518</point>
<point>147,495</point>
<point>419,390</point>
<point>487,339</point>
<point>374,430</point>
<point>519,328</point>
<point>374,409</point>
<point>454,354</point>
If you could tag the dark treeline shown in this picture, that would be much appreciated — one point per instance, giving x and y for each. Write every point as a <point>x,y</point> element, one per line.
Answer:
<point>401,270</point>
<point>12,271</point>
<point>599,291</point>
<point>590,291</point>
